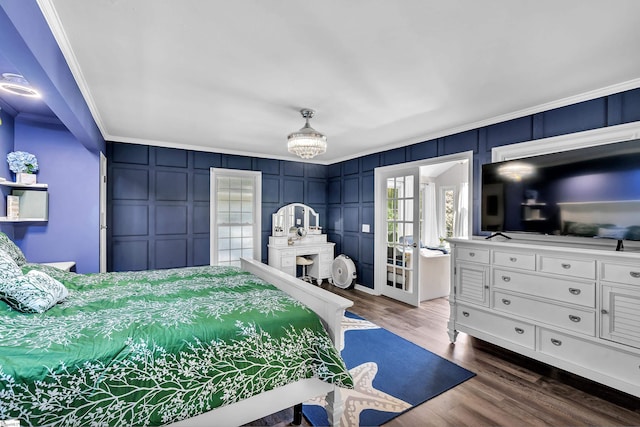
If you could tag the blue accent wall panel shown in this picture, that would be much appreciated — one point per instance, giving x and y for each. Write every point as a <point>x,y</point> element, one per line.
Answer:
<point>294,169</point>
<point>293,191</point>
<point>394,157</point>
<point>334,170</point>
<point>201,251</point>
<point>171,186</point>
<point>423,150</point>
<point>351,190</point>
<point>630,106</point>
<point>509,132</point>
<point>335,191</point>
<point>334,219</point>
<point>370,162</point>
<point>130,184</point>
<point>201,187</point>
<point>135,220</point>
<point>130,255</point>
<point>171,157</point>
<point>201,220</point>
<point>351,167</point>
<point>464,141</point>
<point>575,118</point>
<point>171,219</point>
<point>351,246</point>
<point>270,190</point>
<point>368,187</point>
<point>206,160</point>
<point>132,154</point>
<point>269,166</point>
<point>237,162</point>
<point>170,253</point>
<point>316,193</point>
<point>351,218</point>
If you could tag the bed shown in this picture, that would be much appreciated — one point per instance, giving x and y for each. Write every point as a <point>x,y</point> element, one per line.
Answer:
<point>152,348</point>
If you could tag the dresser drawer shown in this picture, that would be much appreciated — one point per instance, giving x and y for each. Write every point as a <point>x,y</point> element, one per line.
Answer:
<point>615,363</point>
<point>621,273</point>
<point>581,293</point>
<point>568,267</point>
<point>516,260</point>
<point>574,319</point>
<point>472,254</point>
<point>518,332</point>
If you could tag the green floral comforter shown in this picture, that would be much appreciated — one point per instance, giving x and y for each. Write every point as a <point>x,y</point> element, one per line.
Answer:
<point>149,348</point>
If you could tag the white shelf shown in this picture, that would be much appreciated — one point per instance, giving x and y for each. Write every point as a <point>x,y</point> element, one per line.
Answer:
<point>7,219</point>
<point>19,185</point>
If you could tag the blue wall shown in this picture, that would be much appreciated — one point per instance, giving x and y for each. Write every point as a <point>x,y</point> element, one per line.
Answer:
<point>343,193</point>
<point>158,202</point>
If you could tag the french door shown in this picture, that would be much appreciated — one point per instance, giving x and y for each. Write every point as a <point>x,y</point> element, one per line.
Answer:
<point>398,233</point>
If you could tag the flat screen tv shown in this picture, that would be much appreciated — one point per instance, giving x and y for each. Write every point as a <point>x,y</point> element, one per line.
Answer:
<point>590,192</point>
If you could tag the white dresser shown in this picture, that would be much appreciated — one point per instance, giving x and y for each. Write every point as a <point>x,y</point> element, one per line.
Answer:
<point>572,307</point>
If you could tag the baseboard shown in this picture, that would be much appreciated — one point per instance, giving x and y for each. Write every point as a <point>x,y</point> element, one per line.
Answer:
<point>366,289</point>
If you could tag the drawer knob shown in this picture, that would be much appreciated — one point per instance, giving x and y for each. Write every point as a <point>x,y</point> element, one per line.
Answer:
<point>506,278</point>
<point>506,301</point>
<point>634,274</point>
<point>513,259</point>
<point>472,254</point>
<point>604,311</point>
<point>575,291</point>
<point>566,266</point>
<point>556,342</point>
<point>520,330</point>
<point>465,313</point>
<point>574,318</point>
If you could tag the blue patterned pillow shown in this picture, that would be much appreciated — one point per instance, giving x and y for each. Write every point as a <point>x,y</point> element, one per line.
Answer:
<point>34,292</point>
<point>7,245</point>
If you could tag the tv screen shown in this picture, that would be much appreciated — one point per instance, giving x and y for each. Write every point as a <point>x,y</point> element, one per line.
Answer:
<point>590,192</point>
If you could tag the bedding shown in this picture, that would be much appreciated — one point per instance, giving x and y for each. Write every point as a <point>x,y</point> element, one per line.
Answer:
<point>150,348</point>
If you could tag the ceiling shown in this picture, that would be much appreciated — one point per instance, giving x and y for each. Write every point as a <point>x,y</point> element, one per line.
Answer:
<point>231,76</point>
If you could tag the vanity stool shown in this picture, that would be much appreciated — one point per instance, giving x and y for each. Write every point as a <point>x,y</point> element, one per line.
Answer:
<point>304,262</point>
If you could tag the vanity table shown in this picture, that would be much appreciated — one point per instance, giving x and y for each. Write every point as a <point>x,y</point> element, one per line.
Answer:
<point>295,231</point>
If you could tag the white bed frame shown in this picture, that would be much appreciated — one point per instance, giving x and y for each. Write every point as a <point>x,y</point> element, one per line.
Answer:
<point>330,307</point>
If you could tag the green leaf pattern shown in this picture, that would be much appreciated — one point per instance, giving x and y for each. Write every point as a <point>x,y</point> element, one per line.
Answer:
<point>155,380</point>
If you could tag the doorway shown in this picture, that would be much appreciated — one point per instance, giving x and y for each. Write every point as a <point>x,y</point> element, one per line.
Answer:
<point>418,205</point>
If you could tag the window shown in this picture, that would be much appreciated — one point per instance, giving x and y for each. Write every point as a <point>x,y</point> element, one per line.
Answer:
<point>235,216</point>
<point>447,210</point>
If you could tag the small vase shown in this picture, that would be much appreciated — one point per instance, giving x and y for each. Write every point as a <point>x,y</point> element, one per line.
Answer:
<point>25,178</point>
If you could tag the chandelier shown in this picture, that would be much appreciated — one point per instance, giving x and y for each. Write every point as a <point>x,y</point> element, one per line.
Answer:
<point>307,142</point>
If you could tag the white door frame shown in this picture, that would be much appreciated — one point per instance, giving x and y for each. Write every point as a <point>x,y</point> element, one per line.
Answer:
<point>257,210</point>
<point>380,250</point>
<point>103,213</point>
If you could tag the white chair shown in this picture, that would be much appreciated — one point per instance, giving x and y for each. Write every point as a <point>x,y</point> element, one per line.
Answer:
<point>304,262</point>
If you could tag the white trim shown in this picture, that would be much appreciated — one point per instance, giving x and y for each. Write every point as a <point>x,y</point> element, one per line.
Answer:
<point>366,290</point>
<point>589,138</point>
<point>380,245</point>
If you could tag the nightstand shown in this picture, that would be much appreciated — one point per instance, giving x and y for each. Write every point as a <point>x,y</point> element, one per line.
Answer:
<point>62,265</point>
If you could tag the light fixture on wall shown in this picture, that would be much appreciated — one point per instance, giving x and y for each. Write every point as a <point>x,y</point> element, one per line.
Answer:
<point>17,85</point>
<point>307,142</point>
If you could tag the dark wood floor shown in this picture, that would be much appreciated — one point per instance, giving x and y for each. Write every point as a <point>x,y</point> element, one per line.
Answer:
<point>508,390</point>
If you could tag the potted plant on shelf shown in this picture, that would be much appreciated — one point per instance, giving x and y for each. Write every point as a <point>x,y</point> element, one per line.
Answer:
<point>24,165</point>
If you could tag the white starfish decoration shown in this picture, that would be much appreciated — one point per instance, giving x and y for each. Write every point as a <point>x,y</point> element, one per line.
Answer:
<point>351,324</point>
<point>363,396</point>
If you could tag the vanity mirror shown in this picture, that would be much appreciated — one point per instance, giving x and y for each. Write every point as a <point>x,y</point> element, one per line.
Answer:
<point>295,219</point>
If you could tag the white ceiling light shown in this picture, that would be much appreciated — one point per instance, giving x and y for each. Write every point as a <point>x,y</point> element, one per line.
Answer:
<point>307,142</point>
<point>516,171</point>
<point>17,85</point>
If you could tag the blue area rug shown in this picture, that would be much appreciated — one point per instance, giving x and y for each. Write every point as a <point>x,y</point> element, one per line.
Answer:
<point>392,375</point>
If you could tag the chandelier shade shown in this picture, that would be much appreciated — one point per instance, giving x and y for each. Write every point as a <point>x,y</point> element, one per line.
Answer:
<point>307,142</point>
